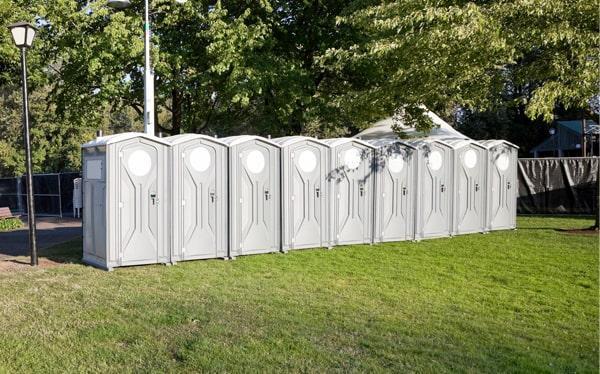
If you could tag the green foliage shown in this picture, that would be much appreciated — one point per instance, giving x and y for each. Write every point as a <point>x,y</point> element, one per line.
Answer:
<point>513,301</point>
<point>288,67</point>
<point>8,224</point>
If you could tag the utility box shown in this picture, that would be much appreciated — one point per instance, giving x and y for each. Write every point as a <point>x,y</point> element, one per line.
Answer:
<point>470,187</point>
<point>254,195</point>
<point>199,192</point>
<point>433,218</point>
<point>352,184</point>
<point>305,197</point>
<point>395,190</point>
<point>502,163</point>
<point>126,201</point>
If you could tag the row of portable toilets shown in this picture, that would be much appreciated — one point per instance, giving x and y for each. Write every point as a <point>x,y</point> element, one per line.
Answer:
<point>162,200</point>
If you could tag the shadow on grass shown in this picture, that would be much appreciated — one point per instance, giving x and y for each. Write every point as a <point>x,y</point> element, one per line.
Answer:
<point>65,253</point>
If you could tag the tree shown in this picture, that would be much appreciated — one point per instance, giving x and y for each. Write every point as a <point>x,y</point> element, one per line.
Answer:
<point>468,54</point>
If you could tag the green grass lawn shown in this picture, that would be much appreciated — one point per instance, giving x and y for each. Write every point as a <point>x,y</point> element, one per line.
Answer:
<point>524,300</point>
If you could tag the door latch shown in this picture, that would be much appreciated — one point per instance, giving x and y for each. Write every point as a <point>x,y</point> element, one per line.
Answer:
<point>476,187</point>
<point>403,191</point>
<point>318,192</point>
<point>213,198</point>
<point>508,185</point>
<point>361,189</point>
<point>154,199</point>
<point>443,188</point>
<point>267,195</point>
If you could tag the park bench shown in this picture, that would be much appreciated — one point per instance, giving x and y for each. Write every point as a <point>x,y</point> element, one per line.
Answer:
<point>5,213</point>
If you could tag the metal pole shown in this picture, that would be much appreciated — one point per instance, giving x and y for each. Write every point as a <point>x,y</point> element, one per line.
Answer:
<point>30,202</point>
<point>148,76</point>
<point>583,142</point>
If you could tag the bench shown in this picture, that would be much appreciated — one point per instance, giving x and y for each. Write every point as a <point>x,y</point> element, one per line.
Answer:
<point>5,213</point>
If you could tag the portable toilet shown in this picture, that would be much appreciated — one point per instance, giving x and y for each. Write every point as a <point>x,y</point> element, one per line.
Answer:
<point>126,201</point>
<point>470,186</point>
<point>395,190</point>
<point>199,193</point>
<point>305,199</point>
<point>502,163</point>
<point>352,183</point>
<point>254,195</point>
<point>433,218</point>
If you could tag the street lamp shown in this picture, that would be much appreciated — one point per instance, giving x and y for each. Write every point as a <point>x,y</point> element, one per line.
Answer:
<point>148,72</point>
<point>23,34</point>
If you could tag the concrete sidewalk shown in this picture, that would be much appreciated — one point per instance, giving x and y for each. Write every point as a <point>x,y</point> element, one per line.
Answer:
<point>50,231</point>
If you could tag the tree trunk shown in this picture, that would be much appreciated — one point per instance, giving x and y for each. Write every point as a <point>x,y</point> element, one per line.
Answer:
<point>177,103</point>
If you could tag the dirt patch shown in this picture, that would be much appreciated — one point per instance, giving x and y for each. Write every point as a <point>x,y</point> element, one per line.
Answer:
<point>22,264</point>
<point>585,232</point>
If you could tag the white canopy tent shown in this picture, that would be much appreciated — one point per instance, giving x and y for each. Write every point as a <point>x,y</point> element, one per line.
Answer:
<point>383,130</point>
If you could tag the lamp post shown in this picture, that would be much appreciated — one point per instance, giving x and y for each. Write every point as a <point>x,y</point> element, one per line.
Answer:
<point>552,132</point>
<point>148,72</point>
<point>23,34</point>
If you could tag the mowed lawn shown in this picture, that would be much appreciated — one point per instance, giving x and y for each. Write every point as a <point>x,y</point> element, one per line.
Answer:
<point>524,300</point>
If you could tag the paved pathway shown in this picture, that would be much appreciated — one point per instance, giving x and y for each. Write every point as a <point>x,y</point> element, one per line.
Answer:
<point>50,232</point>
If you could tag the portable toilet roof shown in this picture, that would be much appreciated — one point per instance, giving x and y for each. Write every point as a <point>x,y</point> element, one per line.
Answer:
<point>182,138</point>
<point>459,143</point>
<point>239,139</point>
<point>419,142</point>
<point>492,143</point>
<point>378,143</point>
<point>116,138</point>
<point>285,141</point>
<point>334,142</point>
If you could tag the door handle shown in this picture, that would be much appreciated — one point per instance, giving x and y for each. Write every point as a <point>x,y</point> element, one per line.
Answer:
<point>508,185</point>
<point>403,191</point>
<point>361,189</point>
<point>443,188</point>
<point>154,199</point>
<point>318,192</point>
<point>213,197</point>
<point>476,187</point>
<point>267,195</point>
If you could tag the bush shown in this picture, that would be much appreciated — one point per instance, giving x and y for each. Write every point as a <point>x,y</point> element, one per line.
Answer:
<point>10,224</point>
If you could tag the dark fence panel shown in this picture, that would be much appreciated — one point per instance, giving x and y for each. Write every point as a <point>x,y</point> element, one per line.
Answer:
<point>565,185</point>
<point>53,194</point>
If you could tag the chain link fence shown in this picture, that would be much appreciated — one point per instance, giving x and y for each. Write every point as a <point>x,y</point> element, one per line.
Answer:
<point>53,194</point>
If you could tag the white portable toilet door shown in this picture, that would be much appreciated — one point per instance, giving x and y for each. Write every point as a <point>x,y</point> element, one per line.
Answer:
<point>353,194</point>
<point>307,188</point>
<point>140,198</point>
<point>503,188</point>
<point>471,189</point>
<point>199,200</point>
<point>258,198</point>
<point>435,191</point>
<point>396,185</point>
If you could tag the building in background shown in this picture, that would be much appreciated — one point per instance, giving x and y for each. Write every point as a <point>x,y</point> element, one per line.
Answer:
<point>569,139</point>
